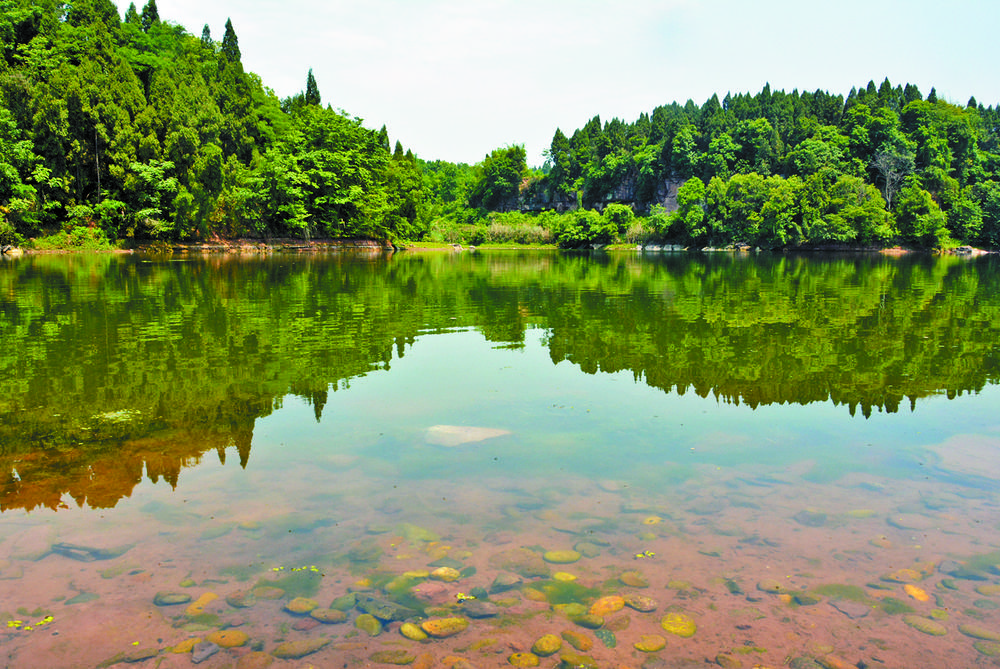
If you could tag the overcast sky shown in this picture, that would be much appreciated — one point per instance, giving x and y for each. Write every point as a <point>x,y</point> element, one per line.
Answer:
<point>454,79</point>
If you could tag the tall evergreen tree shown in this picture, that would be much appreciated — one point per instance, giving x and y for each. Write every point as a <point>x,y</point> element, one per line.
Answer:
<point>312,90</point>
<point>230,44</point>
<point>932,96</point>
<point>132,15</point>
<point>206,37</point>
<point>150,15</point>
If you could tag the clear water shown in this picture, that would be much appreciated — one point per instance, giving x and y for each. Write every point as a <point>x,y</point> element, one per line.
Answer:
<point>800,455</point>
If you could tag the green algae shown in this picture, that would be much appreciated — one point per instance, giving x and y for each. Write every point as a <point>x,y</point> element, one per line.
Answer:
<point>853,593</point>
<point>565,592</point>
<point>296,584</point>
<point>894,606</point>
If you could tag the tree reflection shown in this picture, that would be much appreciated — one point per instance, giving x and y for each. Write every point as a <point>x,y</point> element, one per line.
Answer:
<point>118,367</point>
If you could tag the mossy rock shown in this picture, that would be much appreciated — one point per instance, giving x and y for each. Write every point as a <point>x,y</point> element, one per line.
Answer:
<point>368,624</point>
<point>925,625</point>
<point>398,657</point>
<point>562,557</point>
<point>679,624</point>
<point>575,661</point>
<point>977,632</point>
<point>547,645</point>
<point>293,650</point>
<point>987,648</point>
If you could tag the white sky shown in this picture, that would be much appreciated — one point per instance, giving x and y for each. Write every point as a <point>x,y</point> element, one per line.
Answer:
<point>454,79</point>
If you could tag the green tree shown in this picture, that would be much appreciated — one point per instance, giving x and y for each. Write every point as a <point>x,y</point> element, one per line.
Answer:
<point>689,219</point>
<point>919,218</point>
<point>501,174</point>
<point>312,90</point>
<point>150,16</point>
<point>132,16</point>
<point>230,44</point>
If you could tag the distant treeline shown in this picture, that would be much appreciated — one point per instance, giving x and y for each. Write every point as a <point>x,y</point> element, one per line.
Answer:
<point>885,166</point>
<point>116,128</point>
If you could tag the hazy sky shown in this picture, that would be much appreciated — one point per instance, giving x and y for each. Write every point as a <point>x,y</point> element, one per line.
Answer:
<point>455,79</point>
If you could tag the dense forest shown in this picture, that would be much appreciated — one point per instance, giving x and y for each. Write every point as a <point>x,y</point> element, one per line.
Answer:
<point>114,129</point>
<point>130,127</point>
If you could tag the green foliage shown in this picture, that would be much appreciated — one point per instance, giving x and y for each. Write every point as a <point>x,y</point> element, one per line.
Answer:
<point>142,130</point>
<point>921,221</point>
<point>312,90</point>
<point>499,180</point>
<point>776,169</point>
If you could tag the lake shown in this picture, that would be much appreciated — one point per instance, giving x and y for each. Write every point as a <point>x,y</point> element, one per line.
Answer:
<point>485,459</point>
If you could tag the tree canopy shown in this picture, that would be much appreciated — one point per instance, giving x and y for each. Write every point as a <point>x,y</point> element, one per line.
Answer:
<point>137,129</point>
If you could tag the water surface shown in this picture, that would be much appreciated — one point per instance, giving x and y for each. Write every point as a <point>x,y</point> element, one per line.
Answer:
<point>798,454</point>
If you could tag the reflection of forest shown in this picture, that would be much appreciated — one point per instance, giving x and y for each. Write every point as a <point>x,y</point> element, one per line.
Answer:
<point>115,364</point>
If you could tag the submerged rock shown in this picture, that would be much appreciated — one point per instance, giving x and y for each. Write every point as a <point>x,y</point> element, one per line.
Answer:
<point>412,631</point>
<point>607,637</point>
<point>479,609</point>
<point>444,627</point>
<point>171,598</point>
<point>977,632</point>
<point>203,650</point>
<point>679,624</point>
<point>445,574</point>
<point>87,553</point>
<point>293,650</point>
<point>328,616</point>
<point>398,657</point>
<point>925,625</point>
<point>255,660</point>
<point>810,518</point>
<point>241,599</point>
<point>578,640</point>
<point>605,606</point>
<point>301,606</point>
<point>198,606</point>
<point>853,610</point>
<point>383,609</point>
<point>368,624</point>
<point>548,644</point>
<point>562,556</point>
<point>574,661</point>
<point>640,602</point>
<point>228,638</point>
<point>523,660</point>
<point>504,582</point>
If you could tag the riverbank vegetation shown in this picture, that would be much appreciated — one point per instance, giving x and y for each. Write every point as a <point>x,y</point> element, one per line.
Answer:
<point>119,129</point>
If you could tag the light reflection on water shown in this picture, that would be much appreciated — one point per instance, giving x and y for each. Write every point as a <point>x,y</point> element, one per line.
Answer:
<point>785,531</point>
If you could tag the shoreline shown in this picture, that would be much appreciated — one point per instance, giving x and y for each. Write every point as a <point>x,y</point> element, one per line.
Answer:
<point>245,246</point>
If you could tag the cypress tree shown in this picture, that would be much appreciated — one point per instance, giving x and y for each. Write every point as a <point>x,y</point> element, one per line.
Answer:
<point>132,15</point>
<point>206,36</point>
<point>932,96</point>
<point>150,15</point>
<point>230,44</point>
<point>312,90</point>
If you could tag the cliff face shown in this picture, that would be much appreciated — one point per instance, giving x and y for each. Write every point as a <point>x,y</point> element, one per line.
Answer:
<point>537,199</point>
